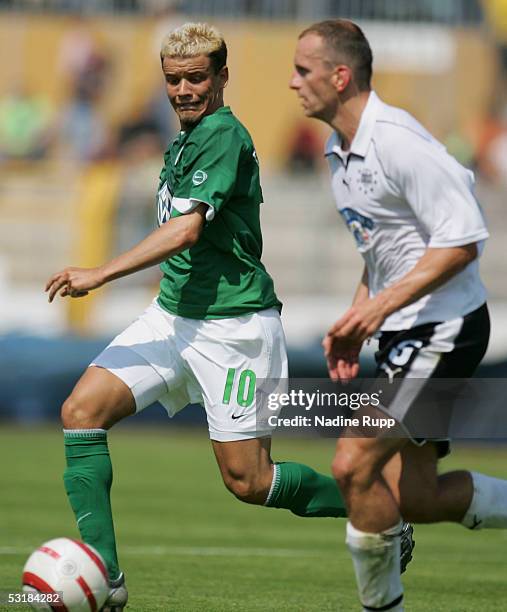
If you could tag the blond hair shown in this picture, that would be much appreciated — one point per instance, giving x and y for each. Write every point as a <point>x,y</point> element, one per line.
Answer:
<point>192,39</point>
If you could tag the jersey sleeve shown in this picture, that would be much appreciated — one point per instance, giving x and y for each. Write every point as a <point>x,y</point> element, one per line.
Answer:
<point>208,172</point>
<point>440,192</point>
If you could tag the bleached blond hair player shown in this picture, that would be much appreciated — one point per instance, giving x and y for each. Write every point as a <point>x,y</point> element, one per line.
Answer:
<point>212,334</point>
<point>412,213</point>
<point>194,39</point>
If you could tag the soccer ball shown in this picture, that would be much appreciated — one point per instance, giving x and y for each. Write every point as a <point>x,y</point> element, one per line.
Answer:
<point>71,568</point>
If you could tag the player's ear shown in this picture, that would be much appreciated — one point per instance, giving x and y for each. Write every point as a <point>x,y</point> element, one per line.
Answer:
<point>223,75</point>
<point>341,77</point>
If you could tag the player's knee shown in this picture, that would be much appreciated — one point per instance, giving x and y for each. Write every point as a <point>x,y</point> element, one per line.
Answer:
<point>245,488</point>
<point>350,468</point>
<point>342,469</point>
<point>77,413</point>
<point>242,489</point>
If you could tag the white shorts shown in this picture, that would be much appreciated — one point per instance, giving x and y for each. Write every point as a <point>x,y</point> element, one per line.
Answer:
<point>218,363</point>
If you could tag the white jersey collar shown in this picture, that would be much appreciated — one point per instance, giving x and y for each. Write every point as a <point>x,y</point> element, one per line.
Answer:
<point>364,132</point>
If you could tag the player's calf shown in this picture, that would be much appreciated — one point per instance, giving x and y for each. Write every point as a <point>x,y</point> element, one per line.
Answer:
<point>472,499</point>
<point>248,472</point>
<point>431,505</point>
<point>98,401</point>
<point>246,468</point>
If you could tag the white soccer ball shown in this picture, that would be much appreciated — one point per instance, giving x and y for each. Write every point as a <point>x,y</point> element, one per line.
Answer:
<point>70,567</point>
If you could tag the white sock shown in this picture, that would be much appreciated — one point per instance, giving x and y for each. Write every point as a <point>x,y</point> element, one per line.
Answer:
<point>488,508</point>
<point>376,558</point>
<point>275,483</point>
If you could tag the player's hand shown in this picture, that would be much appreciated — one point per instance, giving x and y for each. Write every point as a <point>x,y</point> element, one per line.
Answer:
<point>342,358</point>
<point>360,322</point>
<point>343,341</point>
<point>74,282</point>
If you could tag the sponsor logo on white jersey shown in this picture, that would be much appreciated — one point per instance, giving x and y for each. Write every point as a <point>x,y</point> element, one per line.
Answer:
<point>360,226</point>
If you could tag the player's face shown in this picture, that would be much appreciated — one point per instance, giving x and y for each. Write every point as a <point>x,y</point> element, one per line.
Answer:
<point>313,77</point>
<point>193,88</point>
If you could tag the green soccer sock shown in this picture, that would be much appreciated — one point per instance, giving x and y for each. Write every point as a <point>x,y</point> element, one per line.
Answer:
<point>88,480</point>
<point>304,491</point>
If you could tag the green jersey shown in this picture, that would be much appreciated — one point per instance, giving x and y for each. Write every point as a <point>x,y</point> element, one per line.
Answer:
<point>222,275</point>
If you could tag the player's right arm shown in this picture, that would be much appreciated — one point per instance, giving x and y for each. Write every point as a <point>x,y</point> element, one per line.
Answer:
<point>362,292</point>
<point>177,235</point>
<point>343,356</point>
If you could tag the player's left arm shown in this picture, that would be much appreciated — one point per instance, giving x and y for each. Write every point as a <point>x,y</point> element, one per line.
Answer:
<point>176,235</point>
<point>342,355</point>
<point>436,267</point>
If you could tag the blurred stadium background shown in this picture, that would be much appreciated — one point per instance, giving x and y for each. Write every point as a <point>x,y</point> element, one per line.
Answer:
<point>84,121</point>
<point>83,124</point>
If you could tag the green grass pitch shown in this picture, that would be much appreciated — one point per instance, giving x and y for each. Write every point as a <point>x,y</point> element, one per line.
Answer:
<point>187,545</point>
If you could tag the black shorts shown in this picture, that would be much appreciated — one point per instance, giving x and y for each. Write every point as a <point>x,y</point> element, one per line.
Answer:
<point>442,350</point>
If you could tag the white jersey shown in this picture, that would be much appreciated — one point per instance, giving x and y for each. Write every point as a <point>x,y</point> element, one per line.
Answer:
<point>400,192</point>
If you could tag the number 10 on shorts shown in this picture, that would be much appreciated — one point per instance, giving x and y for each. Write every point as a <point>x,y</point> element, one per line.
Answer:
<point>245,393</point>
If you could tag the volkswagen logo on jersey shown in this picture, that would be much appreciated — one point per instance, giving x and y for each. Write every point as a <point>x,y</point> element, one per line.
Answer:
<point>164,204</point>
<point>199,177</point>
<point>360,227</point>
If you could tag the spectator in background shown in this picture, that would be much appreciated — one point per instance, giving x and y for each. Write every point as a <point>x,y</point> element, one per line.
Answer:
<point>86,67</point>
<point>304,150</point>
<point>25,122</point>
<point>492,151</point>
<point>78,49</point>
<point>84,133</point>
